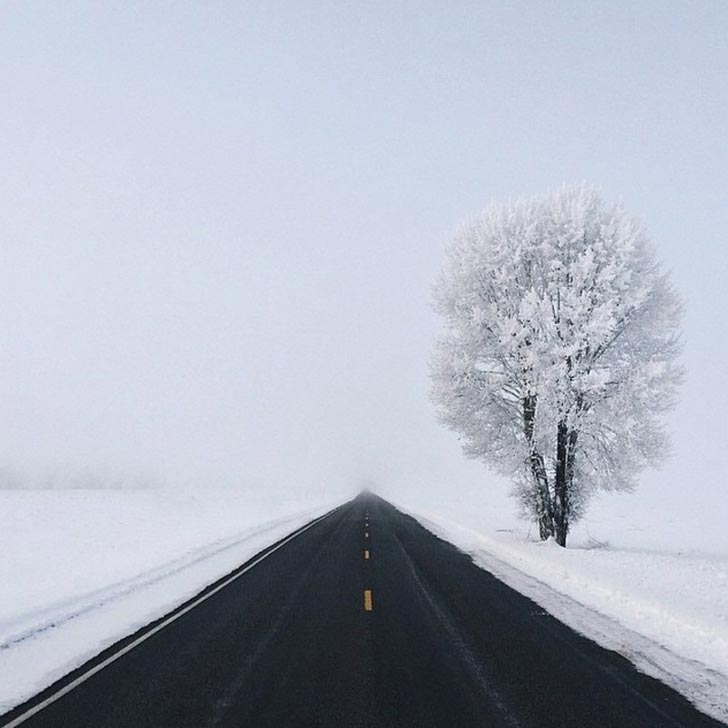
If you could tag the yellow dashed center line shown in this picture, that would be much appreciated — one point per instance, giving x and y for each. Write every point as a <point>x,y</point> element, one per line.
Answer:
<point>368,606</point>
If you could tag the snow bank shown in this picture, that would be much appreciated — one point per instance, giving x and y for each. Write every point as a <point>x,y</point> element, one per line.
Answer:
<point>666,612</point>
<point>82,569</point>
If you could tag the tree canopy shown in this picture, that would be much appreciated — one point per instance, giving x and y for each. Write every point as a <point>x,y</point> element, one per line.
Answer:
<point>559,355</point>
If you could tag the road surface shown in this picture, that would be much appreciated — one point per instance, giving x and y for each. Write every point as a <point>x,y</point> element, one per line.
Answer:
<point>363,619</point>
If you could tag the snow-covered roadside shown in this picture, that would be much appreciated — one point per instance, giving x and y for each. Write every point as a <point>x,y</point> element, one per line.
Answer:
<point>97,565</point>
<point>667,613</point>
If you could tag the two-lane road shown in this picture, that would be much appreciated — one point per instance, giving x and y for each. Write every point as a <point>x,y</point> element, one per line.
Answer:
<point>363,619</point>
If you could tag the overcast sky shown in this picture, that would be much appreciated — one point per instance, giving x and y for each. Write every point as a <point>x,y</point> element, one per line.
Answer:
<point>221,220</point>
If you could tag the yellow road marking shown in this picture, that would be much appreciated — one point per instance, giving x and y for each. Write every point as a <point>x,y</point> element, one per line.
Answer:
<point>367,600</point>
<point>366,554</point>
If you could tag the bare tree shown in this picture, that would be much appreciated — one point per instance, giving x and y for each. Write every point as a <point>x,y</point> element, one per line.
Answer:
<point>560,350</point>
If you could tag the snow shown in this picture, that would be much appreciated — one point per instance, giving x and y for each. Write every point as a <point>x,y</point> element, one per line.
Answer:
<point>654,593</point>
<point>82,569</point>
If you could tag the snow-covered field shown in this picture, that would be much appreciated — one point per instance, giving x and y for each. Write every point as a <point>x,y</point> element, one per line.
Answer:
<point>642,577</point>
<point>81,569</point>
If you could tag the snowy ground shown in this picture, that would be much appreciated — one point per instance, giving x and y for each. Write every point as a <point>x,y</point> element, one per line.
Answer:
<point>81,569</point>
<point>644,575</point>
<point>645,578</point>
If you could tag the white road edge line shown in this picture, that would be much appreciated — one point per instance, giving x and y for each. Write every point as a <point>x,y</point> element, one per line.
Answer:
<point>112,658</point>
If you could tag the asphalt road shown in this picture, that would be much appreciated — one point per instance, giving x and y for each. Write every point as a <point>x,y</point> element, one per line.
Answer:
<point>317,634</point>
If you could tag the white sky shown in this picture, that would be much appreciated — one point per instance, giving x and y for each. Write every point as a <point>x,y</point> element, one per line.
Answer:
<point>221,220</point>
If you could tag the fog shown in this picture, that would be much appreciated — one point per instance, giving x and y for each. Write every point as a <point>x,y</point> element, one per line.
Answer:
<point>221,222</point>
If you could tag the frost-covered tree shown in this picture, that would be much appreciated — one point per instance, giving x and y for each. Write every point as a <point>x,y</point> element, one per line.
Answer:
<point>560,350</point>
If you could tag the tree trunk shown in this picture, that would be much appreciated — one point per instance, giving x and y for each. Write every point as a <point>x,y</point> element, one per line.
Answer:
<point>565,453</point>
<point>538,471</point>
<point>545,527</point>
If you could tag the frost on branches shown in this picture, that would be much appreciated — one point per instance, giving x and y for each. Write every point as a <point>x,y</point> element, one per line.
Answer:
<point>559,354</point>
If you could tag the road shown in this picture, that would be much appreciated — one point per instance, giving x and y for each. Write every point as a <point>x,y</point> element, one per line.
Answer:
<point>363,619</point>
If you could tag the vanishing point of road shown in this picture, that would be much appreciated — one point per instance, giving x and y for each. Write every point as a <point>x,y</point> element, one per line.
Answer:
<point>361,618</point>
